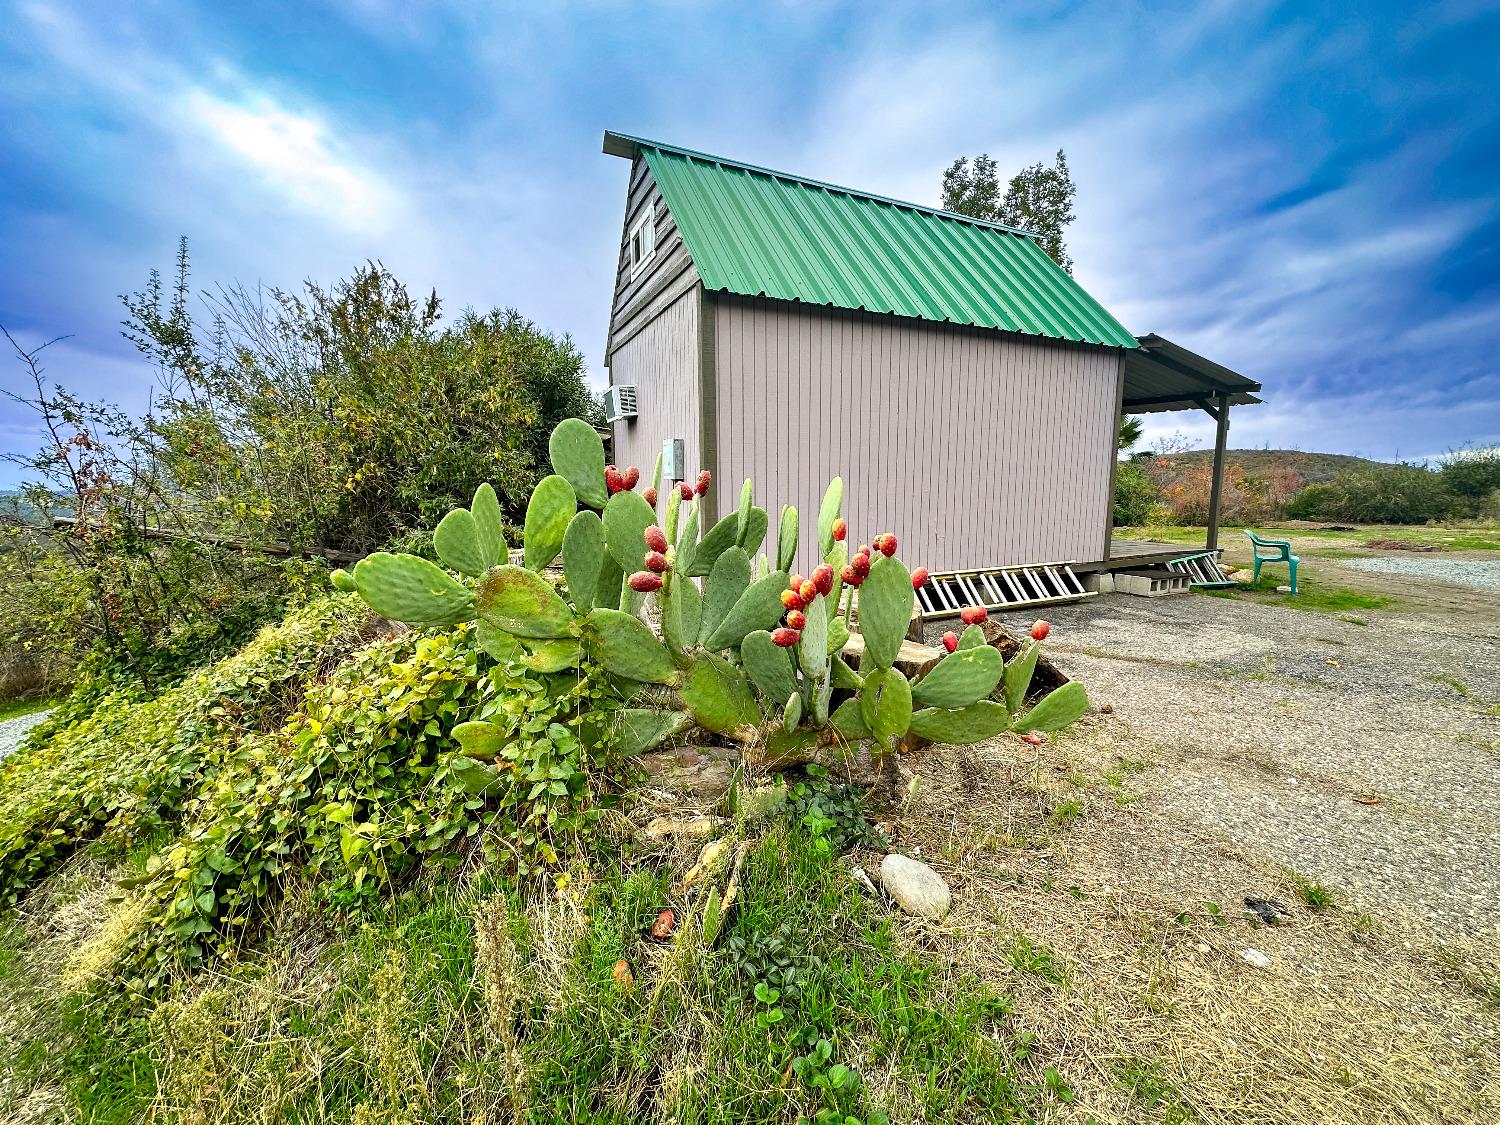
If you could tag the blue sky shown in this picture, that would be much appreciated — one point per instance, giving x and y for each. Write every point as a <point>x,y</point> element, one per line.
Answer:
<point>1308,196</point>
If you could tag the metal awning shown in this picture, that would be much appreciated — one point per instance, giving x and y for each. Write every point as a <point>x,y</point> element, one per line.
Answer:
<point>1162,375</point>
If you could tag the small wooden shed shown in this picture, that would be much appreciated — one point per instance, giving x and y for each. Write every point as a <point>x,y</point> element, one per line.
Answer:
<point>966,388</point>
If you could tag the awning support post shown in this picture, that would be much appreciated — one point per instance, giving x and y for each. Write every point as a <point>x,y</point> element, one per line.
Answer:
<point>1221,439</point>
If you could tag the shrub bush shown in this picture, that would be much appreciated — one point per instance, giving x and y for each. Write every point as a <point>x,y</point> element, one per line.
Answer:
<point>1137,492</point>
<point>1390,494</point>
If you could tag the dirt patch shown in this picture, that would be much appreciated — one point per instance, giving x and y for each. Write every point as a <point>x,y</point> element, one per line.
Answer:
<point>1398,545</point>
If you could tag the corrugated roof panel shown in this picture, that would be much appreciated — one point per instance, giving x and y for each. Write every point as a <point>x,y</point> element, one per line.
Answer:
<point>756,232</point>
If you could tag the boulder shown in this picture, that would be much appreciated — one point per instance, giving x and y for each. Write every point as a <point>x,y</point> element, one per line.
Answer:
<point>915,887</point>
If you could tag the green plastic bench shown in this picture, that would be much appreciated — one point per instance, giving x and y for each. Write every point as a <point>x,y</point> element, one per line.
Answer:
<point>1283,553</point>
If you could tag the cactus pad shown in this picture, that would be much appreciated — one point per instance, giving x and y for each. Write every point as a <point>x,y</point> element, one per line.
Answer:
<point>638,729</point>
<point>759,607</point>
<point>962,678</point>
<point>553,656</point>
<point>626,518</point>
<point>812,649</point>
<point>627,648</point>
<point>456,541</point>
<point>583,558</point>
<point>973,723</point>
<point>480,739</point>
<point>1018,677</point>
<point>548,513</point>
<point>753,529</point>
<point>485,509</point>
<point>833,503</point>
<point>885,703</point>
<point>786,538</point>
<point>849,720</point>
<point>720,537</point>
<point>1059,708</point>
<point>885,605</point>
<point>343,580</point>
<point>972,637</point>
<point>729,580</point>
<point>577,453</point>
<point>791,714</point>
<point>769,666</point>
<point>411,589</point>
<point>719,696</point>
<point>522,602</point>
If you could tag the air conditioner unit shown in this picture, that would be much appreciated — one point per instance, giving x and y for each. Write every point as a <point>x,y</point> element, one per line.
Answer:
<point>619,402</point>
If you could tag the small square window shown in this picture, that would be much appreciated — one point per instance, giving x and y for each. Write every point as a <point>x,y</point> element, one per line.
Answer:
<point>643,240</point>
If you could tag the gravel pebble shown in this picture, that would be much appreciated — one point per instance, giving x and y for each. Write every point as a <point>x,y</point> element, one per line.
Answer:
<point>1478,574</point>
<point>13,730</point>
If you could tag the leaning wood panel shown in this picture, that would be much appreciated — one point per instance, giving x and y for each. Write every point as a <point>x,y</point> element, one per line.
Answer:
<point>976,448</point>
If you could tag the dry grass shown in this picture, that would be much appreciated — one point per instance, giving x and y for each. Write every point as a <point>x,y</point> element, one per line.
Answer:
<point>1140,992</point>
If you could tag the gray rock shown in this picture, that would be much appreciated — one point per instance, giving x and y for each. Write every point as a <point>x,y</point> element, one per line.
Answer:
<point>916,888</point>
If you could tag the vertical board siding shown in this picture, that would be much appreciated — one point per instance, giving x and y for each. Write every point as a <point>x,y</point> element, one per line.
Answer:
<point>662,362</point>
<point>975,449</point>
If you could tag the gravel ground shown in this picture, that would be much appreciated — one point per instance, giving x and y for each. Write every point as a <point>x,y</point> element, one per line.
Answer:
<point>1479,574</point>
<point>13,730</point>
<point>1365,757</point>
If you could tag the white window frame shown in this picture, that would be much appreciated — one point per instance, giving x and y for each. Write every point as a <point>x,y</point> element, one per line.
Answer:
<point>641,244</point>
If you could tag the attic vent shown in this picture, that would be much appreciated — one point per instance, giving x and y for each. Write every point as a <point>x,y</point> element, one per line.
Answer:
<point>619,402</point>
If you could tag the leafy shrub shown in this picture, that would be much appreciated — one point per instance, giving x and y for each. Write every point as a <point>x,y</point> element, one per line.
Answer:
<point>1137,492</point>
<point>1473,477</point>
<point>117,763</point>
<point>1389,494</point>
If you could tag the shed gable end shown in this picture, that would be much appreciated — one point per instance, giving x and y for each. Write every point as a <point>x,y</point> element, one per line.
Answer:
<point>654,267</point>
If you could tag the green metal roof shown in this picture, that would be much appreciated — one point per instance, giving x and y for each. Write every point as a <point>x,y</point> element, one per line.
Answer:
<point>757,232</point>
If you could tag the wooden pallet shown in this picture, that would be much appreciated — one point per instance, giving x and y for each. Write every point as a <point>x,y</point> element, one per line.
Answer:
<point>1202,570</point>
<point>1000,588</point>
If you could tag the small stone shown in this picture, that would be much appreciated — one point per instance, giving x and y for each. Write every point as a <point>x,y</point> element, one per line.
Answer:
<point>1283,589</point>
<point>1255,957</point>
<point>916,888</point>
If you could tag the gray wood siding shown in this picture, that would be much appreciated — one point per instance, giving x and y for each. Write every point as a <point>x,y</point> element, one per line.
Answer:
<point>662,360</point>
<point>663,279</point>
<point>976,449</point>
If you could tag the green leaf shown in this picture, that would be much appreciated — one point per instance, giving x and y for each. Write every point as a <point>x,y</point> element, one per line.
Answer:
<point>552,506</point>
<point>485,508</point>
<point>759,607</point>
<point>522,602</point>
<point>786,539</point>
<point>578,454</point>
<point>833,503</point>
<point>718,695</point>
<point>769,666</point>
<point>885,604</point>
<point>885,703</point>
<point>627,648</point>
<point>583,558</point>
<point>480,739</point>
<point>719,539</point>
<point>729,580</point>
<point>970,724</point>
<point>626,518</point>
<point>1018,677</point>
<point>411,589</point>
<point>1059,708</point>
<point>960,678</point>
<point>812,649</point>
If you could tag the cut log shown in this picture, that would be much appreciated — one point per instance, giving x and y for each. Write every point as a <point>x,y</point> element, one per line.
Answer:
<point>1047,675</point>
<point>912,659</point>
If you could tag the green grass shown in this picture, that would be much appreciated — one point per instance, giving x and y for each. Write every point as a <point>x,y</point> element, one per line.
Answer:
<point>1149,1085</point>
<point>460,1003</point>
<point>1312,892</point>
<point>1447,538</point>
<point>15,708</point>
<point>1450,681</point>
<point>1310,596</point>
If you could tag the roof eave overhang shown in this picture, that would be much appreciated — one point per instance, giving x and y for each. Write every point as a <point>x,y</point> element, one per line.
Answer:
<point>1161,375</point>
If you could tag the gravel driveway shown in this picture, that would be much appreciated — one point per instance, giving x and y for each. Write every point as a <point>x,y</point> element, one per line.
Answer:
<point>1479,574</point>
<point>13,730</point>
<point>1366,757</point>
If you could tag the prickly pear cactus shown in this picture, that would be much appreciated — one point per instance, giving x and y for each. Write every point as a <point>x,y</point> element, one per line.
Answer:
<point>740,649</point>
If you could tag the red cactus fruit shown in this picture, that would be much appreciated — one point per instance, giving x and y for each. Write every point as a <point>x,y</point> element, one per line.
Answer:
<point>656,562</point>
<point>950,642</point>
<point>632,477</point>
<point>703,481</point>
<point>643,582</point>
<point>851,576</point>
<point>685,490</point>
<point>785,638</point>
<point>796,582</point>
<point>919,578</point>
<point>650,495</point>
<point>864,549</point>
<point>974,615</point>
<point>808,590</point>
<point>665,923</point>
<point>791,599</point>
<point>656,539</point>
<point>886,544</point>
<point>613,479</point>
<point>1040,630</point>
<point>796,620</point>
<point>822,578</point>
<point>840,530</point>
<point>861,565</point>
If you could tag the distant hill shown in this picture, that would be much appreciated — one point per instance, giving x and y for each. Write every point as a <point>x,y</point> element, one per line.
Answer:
<point>1310,468</point>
